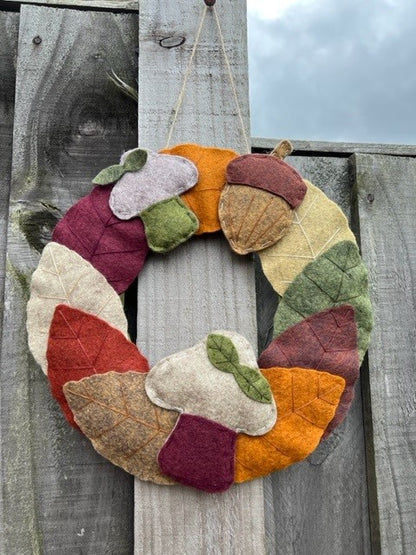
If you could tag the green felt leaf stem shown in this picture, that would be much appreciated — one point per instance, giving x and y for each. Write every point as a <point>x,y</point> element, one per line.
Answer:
<point>224,356</point>
<point>222,353</point>
<point>253,384</point>
<point>135,160</point>
<point>337,277</point>
<point>109,175</point>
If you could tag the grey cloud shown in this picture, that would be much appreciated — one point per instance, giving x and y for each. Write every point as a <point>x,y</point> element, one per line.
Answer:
<point>339,70</point>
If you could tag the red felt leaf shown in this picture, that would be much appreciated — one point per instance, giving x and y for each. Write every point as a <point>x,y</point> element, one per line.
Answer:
<point>81,345</point>
<point>116,248</point>
<point>326,341</point>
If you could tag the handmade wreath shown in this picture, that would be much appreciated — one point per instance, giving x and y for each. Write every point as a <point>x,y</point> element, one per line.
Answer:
<point>210,415</point>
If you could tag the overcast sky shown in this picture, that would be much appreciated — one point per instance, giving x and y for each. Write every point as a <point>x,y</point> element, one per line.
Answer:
<point>334,70</point>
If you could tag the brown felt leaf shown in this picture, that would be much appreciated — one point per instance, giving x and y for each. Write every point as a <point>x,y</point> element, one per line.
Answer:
<point>252,219</point>
<point>306,402</point>
<point>318,224</point>
<point>123,425</point>
<point>63,277</point>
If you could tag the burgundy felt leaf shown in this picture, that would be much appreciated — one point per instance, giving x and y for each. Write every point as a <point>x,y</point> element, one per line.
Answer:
<point>116,248</point>
<point>326,341</point>
<point>81,345</point>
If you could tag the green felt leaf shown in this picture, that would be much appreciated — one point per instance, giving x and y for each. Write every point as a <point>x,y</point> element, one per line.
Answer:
<point>168,223</point>
<point>253,384</point>
<point>224,356</point>
<point>135,160</point>
<point>335,278</point>
<point>109,175</point>
<point>222,353</point>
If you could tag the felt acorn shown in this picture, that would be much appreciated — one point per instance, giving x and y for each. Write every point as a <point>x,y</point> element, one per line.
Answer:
<point>219,391</point>
<point>148,185</point>
<point>256,205</point>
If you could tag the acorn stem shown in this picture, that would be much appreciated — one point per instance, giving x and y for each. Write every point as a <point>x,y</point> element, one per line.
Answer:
<point>282,149</point>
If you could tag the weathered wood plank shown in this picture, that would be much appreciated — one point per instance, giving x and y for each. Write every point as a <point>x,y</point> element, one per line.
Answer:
<point>337,149</point>
<point>122,5</point>
<point>59,496</point>
<point>320,505</point>
<point>387,211</point>
<point>9,29</point>
<point>200,286</point>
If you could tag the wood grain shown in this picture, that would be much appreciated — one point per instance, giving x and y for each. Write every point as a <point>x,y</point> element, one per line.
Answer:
<point>122,5</point>
<point>59,496</point>
<point>387,211</point>
<point>9,29</point>
<point>319,505</point>
<point>201,286</point>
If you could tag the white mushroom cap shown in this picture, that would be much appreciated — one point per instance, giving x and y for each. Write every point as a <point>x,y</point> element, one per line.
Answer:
<point>188,382</point>
<point>163,176</point>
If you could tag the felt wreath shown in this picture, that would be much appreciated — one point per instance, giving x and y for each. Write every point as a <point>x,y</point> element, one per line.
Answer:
<point>213,414</point>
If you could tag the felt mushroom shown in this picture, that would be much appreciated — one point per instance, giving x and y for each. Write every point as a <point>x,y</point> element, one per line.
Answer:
<point>256,205</point>
<point>148,184</point>
<point>218,389</point>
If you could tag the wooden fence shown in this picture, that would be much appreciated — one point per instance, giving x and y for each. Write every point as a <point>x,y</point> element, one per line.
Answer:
<point>62,120</point>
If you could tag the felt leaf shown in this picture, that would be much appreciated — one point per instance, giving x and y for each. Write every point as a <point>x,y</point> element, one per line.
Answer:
<point>222,353</point>
<point>306,401</point>
<point>163,177</point>
<point>324,341</point>
<point>80,345</point>
<point>224,356</point>
<point>109,175</point>
<point>168,224</point>
<point>203,199</point>
<point>335,278</point>
<point>253,384</point>
<point>116,248</point>
<point>63,277</point>
<point>115,413</point>
<point>200,453</point>
<point>269,173</point>
<point>134,160</point>
<point>252,219</point>
<point>188,382</point>
<point>318,224</point>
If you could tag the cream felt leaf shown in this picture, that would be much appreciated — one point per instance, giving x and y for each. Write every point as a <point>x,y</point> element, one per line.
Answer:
<point>337,277</point>
<point>318,223</point>
<point>123,425</point>
<point>306,401</point>
<point>188,382</point>
<point>63,277</point>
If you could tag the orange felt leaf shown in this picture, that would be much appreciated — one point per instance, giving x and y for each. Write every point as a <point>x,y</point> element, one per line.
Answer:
<point>203,199</point>
<point>306,401</point>
<point>81,345</point>
<point>122,423</point>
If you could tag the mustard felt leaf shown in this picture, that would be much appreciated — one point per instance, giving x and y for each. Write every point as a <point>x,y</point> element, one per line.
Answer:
<point>135,160</point>
<point>222,353</point>
<point>318,224</point>
<point>253,384</point>
<point>224,356</point>
<point>109,175</point>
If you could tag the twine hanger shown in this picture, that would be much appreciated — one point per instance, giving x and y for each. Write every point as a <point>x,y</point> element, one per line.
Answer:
<point>209,5</point>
